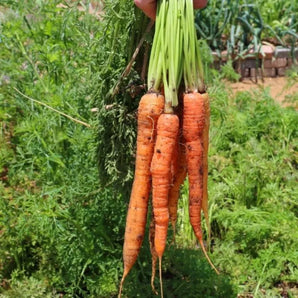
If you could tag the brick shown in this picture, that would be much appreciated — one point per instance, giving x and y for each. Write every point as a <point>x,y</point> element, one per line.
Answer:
<point>268,63</point>
<point>277,63</point>
<point>281,62</point>
<point>245,73</point>
<point>268,51</point>
<point>255,73</point>
<point>281,71</point>
<point>269,72</point>
<point>250,63</point>
<point>282,52</point>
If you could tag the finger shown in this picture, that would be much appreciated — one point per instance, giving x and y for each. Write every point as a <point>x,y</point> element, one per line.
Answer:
<point>199,3</point>
<point>148,6</point>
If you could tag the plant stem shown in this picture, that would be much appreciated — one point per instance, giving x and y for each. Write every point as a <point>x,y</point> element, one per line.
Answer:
<point>155,67</point>
<point>193,68</point>
<point>50,108</point>
<point>172,53</point>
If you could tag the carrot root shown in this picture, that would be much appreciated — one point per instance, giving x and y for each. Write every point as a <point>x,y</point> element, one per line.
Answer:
<point>160,277</point>
<point>121,285</point>
<point>193,128</point>
<point>150,107</point>
<point>178,179</point>
<point>205,165</point>
<point>206,255</point>
<point>167,131</point>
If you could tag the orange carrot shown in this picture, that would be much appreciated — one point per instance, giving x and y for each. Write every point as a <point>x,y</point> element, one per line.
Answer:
<point>193,126</point>
<point>205,162</point>
<point>174,161</point>
<point>167,131</point>
<point>150,108</point>
<point>178,178</point>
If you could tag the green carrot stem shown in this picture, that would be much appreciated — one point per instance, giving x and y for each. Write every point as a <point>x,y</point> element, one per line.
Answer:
<point>154,68</point>
<point>200,69</point>
<point>193,68</point>
<point>172,53</point>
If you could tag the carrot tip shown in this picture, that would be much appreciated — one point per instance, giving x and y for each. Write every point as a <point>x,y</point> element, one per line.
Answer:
<point>153,275</point>
<point>160,278</point>
<point>121,283</point>
<point>153,287</point>
<point>121,286</point>
<point>207,257</point>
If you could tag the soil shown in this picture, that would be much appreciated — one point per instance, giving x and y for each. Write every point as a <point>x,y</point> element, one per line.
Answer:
<point>279,88</point>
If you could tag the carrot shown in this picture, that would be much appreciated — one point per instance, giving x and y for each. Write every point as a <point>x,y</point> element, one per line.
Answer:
<point>193,127</point>
<point>150,108</point>
<point>180,171</point>
<point>167,131</point>
<point>205,162</point>
<point>174,161</point>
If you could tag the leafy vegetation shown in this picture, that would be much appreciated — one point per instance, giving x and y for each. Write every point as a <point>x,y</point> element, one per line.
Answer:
<point>62,213</point>
<point>240,26</point>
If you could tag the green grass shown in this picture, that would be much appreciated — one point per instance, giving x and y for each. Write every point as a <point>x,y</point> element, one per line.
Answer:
<point>64,187</point>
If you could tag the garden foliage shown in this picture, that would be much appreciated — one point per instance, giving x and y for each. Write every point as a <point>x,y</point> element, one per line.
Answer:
<point>240,26</point>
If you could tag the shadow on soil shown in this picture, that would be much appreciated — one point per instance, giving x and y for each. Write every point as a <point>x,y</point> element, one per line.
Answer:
<point>186,273</point>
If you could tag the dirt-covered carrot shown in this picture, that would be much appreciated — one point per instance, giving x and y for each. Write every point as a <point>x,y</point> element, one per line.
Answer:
<point>194,123</point>
<point>205,162</point>
<point>150,108</point>
<point>168,123</point>
<point>193,127</point>
<point>178,178</point>
<point>167,130</point>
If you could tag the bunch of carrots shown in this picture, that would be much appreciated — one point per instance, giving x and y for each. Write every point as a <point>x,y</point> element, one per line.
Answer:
<point>172,138</point>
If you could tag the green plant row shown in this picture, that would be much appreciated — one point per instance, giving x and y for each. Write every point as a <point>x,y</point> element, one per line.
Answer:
<point>241,26</point>
<point>60,229</point>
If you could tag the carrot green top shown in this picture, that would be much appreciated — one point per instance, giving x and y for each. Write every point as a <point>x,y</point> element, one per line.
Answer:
<point>155,62</point>
<point>172,52</point>
<point>192,67</point>
<point>175,52</point>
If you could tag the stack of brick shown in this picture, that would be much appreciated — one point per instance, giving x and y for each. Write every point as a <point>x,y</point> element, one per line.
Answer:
<point>271,62</point>
<point>279,63</point>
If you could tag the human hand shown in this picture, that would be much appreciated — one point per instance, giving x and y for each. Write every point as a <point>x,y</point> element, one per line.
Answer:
<point>149,6</point>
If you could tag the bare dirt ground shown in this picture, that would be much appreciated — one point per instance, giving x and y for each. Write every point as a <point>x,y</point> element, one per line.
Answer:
<point>279,88</point>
